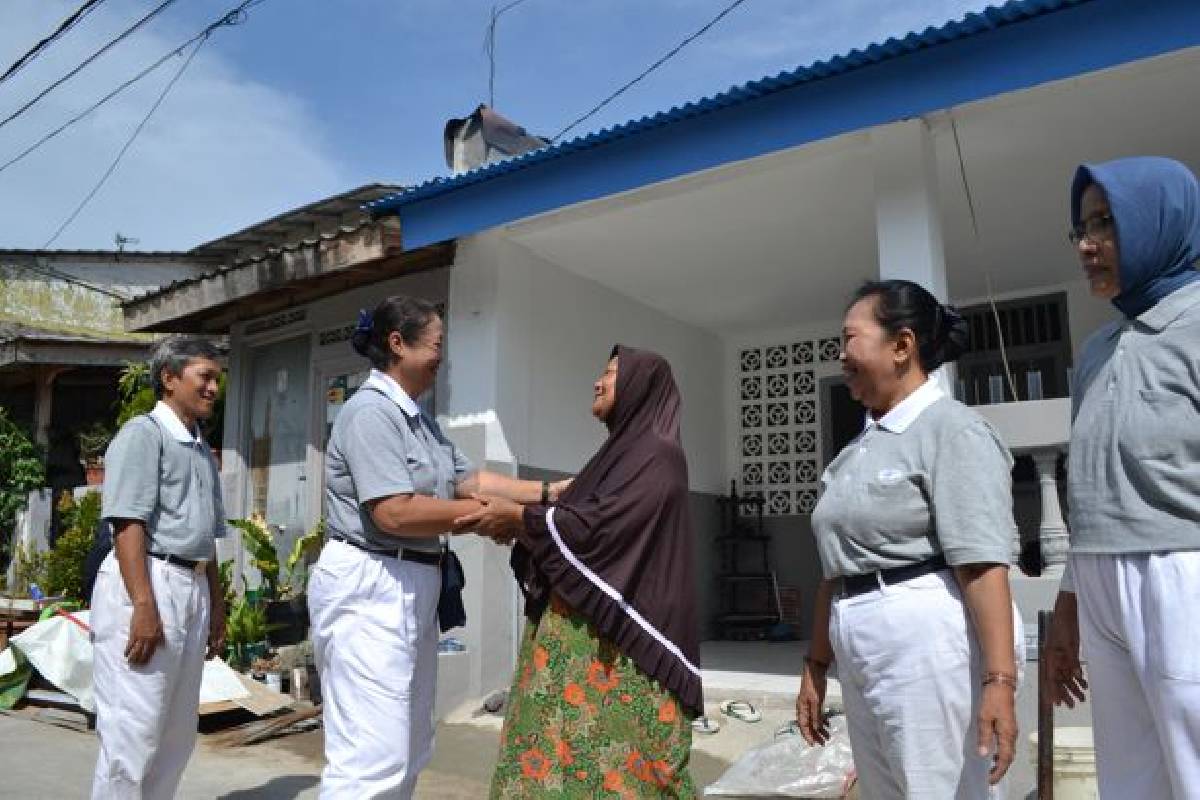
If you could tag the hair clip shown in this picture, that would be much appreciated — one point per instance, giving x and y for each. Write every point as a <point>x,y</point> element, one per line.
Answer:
<point>364,321</point>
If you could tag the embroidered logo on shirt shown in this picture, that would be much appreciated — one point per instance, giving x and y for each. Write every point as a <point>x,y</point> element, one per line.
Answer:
<point>890,477</point>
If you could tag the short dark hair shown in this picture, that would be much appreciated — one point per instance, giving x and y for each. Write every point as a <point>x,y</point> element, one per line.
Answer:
<point>173,354</point>
<point>941,332</point>
<point>408,316</point>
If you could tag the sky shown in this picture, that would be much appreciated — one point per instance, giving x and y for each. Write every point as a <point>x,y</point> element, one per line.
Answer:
<point>308,98</point>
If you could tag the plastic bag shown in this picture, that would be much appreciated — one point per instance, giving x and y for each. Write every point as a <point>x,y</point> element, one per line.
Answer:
<point>61,651</point>
<point>788,767</point>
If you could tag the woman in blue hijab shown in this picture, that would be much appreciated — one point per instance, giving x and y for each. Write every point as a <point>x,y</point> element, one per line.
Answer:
<point>1131,590</point>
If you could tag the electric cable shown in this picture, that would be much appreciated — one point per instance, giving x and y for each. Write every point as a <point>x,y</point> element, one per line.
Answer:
<point>669,55</point>
<point>234,16</point>
<point>74,17</point>
<point>128,143</point>
<point>83,65</point>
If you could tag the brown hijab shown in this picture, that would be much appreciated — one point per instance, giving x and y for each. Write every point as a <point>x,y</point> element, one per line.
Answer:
<point>618,545</point>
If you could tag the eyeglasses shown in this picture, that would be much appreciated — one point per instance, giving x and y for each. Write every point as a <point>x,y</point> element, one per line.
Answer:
<point>1095,229</point>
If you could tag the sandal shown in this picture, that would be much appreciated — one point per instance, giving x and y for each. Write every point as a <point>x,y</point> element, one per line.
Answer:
<point>740,709</point>
<point>705,725</point>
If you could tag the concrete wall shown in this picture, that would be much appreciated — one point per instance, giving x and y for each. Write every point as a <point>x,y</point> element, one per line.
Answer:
<point>31,296</point>
<point>539,336</point>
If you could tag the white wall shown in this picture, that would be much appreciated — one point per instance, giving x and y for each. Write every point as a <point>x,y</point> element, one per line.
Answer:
<point>540,336</point>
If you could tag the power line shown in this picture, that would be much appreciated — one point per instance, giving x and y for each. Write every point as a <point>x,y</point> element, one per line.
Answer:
<point>232,17</point>
<point>128,31</point>
<point>128,143</point>
<point>76,16</point>
<point>670,54</point>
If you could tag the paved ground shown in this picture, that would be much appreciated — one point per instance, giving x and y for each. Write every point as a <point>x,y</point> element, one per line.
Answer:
<point>43,762</point>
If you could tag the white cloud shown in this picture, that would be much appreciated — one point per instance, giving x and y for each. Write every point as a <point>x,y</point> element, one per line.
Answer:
<point>222,152</point>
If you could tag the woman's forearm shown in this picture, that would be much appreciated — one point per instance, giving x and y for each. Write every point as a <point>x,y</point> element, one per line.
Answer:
<point>820,649</point>
<point>497,485</point>
<point>986,592</point>
<point>418,516</point>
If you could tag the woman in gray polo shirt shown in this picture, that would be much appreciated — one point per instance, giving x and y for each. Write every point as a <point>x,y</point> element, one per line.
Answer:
<point>1132,583</point>
<point>393,485</point>
<point>913,530</point>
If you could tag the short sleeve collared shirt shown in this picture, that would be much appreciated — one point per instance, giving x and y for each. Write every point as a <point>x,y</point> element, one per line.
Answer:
<point>158,472</point>
<point>930,477</point>
<point>1134,465</point>
<point>382,444</point>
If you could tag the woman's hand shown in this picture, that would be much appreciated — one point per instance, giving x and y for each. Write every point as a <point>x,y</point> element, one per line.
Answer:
<point>998,727</point>
<point>809,702</point>
<point>1062,653</point>
<point>498,519</point>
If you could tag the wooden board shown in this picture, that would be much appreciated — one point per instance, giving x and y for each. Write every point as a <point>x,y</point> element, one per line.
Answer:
<point>261,701</point>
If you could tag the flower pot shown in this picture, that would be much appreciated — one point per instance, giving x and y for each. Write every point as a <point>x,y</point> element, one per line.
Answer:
<point>287,621</point>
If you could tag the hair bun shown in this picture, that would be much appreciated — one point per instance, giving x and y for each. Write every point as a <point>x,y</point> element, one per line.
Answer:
<point>954,333</point>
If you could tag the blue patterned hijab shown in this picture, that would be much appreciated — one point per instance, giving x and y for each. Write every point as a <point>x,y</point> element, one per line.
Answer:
<point>1155,206</point>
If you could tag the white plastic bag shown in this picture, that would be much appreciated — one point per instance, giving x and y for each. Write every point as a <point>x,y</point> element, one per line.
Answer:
<point>61,652</point>
<point>788,767</point>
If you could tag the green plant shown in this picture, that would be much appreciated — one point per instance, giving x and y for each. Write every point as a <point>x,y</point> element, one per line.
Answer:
<point>257,538</point>
<point>93,441</point>
<point>303,551</point>
<point>137,395</point>
<point>30,567</point>
<point>225,576</point>
<point>21,471</point>
<point>246,623</point>
<point>65,561</point>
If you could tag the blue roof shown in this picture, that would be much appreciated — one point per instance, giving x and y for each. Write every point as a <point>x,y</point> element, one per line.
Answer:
<point>1019,45</point>
<point>989,19</point>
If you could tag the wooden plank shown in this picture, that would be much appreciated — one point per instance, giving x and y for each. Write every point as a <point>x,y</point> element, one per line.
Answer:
<point>1045,751</point>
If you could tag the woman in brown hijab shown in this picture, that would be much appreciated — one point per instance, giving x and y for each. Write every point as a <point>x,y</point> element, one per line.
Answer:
<point>608,680</point>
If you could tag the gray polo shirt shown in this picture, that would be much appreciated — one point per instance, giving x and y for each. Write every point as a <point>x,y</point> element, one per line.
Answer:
<point>1134,469</point>
<point>931,476</point>
<point>159,472</point>
<point>382,445</point>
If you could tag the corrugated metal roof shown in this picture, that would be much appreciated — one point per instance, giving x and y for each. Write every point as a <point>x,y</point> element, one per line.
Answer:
<point>989,19</point>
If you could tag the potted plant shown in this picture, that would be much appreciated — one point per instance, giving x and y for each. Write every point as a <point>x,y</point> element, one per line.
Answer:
<point>93,441</point>
<point>290,610</point>
<point>246,631</point>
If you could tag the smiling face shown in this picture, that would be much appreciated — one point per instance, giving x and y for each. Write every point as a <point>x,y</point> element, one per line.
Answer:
<point>1097,247</point>
<point>874,362</point>
<point>193,392</point>
<point>604,396</point>
<point>417,363</point>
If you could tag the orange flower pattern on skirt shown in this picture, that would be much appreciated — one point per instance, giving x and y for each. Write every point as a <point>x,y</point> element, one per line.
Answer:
<point>584,721</point>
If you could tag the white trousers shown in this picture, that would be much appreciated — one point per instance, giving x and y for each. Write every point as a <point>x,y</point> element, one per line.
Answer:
<point>1139,621</point>
<point>374,633</point>
<point>146,715</point>
<point>909,664</point>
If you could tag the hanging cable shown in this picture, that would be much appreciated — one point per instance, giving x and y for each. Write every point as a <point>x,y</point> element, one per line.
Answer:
<point>489,46</point>
<point>128,143</point>
<point>234,16</point>
<point>987,275</point>
<point>76,16</point>
<point>128,32</point>
<point>670,54</point>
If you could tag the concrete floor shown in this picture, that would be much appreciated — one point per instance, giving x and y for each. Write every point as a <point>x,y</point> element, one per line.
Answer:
<point>43,762</point>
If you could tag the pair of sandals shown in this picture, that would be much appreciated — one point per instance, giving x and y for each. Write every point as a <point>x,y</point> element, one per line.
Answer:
<point>737,709</point>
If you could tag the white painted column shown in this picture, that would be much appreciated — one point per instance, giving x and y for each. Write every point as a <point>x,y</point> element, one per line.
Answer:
<point>908,222</point>
<point>1052,532</point>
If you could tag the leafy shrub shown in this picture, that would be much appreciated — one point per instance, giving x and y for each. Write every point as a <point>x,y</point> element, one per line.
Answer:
<point>21,471</point>
<point>65,561</point>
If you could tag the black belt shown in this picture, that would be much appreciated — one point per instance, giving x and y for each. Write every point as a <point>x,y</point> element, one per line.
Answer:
<point>860,584</point>
<point>194,566</point>
<point>402,553</point>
